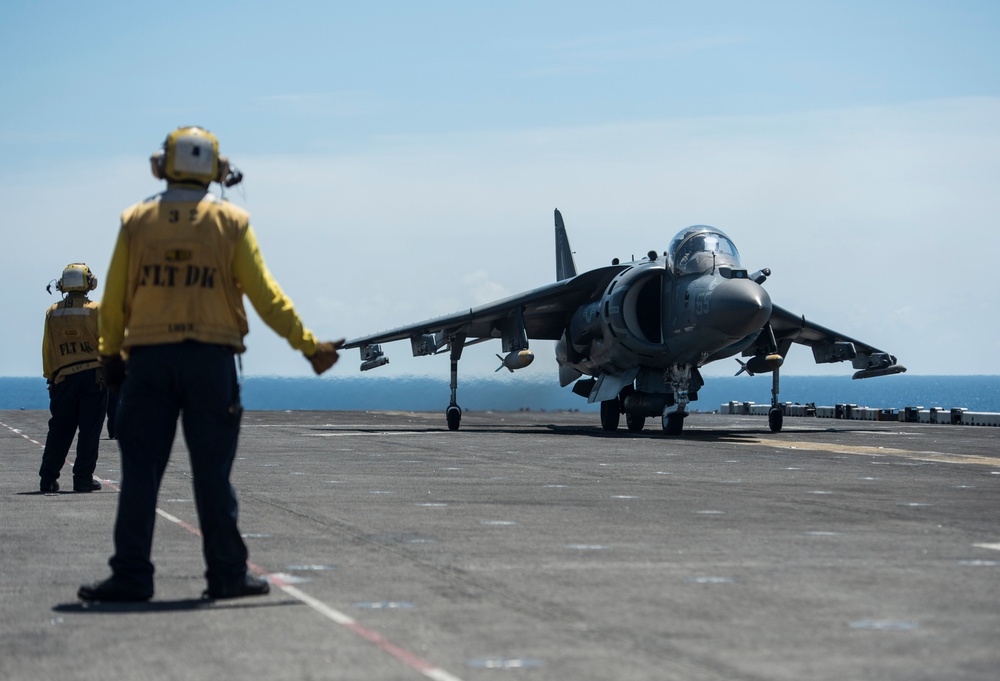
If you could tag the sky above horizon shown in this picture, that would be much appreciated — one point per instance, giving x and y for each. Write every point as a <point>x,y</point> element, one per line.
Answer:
<point>403,160</point>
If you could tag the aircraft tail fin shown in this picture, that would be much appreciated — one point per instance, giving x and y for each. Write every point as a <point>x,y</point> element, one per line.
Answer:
<point>565,267</point>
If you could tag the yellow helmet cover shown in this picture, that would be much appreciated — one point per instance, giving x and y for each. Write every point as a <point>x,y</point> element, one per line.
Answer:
<point>77,277</point>
<point>192,154</point>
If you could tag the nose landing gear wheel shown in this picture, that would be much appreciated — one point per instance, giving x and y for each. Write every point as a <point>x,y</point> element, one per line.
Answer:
<point>673,423</point>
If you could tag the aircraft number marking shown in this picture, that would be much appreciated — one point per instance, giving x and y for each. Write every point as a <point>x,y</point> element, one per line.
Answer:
<point>701,302</point>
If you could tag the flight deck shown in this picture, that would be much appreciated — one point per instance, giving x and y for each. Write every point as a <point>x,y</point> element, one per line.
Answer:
<point>531,545</point>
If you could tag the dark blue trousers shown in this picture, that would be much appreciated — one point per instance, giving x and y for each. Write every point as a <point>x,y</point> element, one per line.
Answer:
<point>197,383</point>
<point>112,412</point>
<point>76,403</point>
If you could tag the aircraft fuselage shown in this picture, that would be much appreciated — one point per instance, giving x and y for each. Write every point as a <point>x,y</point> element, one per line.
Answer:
<point>660,315</point>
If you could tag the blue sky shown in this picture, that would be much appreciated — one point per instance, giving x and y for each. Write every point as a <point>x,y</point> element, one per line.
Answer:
<point>402,160</point>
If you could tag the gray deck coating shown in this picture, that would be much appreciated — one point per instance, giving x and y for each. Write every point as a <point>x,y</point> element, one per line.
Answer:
<point>531,546</point>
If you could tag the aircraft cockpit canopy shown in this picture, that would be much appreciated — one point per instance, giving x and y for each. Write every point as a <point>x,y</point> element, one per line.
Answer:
<point>700,249</point>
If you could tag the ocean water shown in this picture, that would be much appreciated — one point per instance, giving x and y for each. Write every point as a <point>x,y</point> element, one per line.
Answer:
<point>513,393</point>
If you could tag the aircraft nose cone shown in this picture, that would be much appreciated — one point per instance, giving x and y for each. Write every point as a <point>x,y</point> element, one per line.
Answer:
<point>739,307</point>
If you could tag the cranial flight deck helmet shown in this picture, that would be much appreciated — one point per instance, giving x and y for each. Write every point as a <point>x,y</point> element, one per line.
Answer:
<point>76,277</point>
<point>191,154</point>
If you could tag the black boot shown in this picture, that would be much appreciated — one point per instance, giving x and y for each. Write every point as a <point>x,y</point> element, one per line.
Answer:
<point>250,585</point>
<point>113,590</point>
<point>89,485</point>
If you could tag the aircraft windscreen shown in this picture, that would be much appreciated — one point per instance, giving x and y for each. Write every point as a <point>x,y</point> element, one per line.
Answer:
<point>699,249</point>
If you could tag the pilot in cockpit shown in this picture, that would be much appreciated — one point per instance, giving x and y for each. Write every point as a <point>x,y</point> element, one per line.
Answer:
<point>701,252</point>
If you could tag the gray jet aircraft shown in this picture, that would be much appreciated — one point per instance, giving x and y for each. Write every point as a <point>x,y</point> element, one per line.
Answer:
<point>639,331</point>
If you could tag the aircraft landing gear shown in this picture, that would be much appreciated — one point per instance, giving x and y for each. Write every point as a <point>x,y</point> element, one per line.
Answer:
<point>453,414</point>
<point>680,378</point>
<point>611,413</point>
<point>635,422</point>
<point>775,418</point>
<point>673,422</point>
<point>776,415</point>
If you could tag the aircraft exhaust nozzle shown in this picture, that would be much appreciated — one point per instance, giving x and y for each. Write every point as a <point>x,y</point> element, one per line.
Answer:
<point>516,359</point>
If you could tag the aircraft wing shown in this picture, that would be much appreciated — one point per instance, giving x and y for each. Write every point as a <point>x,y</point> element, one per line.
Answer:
<point>828,345</point>
<point>545,310</point>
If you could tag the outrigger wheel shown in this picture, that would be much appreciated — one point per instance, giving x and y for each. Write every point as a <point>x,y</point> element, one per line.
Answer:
<point>775,419</point>
<point>454,416</point>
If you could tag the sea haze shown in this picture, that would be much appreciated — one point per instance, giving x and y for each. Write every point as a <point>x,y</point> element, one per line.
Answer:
<point>517,392</point>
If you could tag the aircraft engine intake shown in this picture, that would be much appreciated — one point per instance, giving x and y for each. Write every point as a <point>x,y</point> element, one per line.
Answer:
<point>635,306</point>
<point>630,312</point>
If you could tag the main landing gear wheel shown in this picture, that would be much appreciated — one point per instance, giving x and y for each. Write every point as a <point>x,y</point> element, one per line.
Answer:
<point>635,422</point>
<point>775,419</point>
<point>611,413</point>
<point>673,423</point>
<point>454,416</point>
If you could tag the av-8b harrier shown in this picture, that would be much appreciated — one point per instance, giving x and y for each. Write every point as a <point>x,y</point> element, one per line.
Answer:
<point>633,335</point>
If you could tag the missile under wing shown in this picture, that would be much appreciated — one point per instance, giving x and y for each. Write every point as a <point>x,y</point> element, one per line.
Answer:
<point>632,336</point>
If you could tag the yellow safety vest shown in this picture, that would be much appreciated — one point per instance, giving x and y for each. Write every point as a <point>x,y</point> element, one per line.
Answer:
<point>180,283</point>
<point>70,342</point>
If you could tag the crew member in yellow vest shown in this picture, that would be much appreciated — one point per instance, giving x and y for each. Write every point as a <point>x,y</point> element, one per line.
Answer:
<point>171,323</point>
<point>77,396</point>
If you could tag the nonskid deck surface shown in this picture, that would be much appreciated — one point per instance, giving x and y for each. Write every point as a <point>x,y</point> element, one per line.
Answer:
<point>531,545</point>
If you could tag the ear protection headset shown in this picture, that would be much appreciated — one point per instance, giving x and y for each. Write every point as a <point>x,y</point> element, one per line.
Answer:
<point>192,153</point>
<point>75,277</point>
